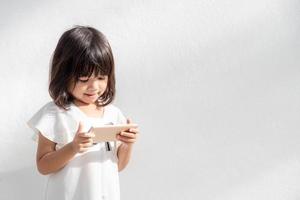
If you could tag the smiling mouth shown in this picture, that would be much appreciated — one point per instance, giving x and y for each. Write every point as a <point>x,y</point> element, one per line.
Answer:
<point>92,95</point>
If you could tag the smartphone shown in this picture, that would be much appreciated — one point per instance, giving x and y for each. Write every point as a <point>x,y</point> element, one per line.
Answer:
<point>107,133</point>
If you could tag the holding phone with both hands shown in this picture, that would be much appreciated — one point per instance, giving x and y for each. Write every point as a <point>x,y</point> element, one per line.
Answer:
<point>107,133</point>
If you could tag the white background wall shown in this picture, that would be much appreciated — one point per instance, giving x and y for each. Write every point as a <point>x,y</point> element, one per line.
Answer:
<point>214,86</point>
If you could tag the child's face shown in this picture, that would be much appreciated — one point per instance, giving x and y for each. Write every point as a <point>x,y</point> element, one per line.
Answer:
<point>89,89</point>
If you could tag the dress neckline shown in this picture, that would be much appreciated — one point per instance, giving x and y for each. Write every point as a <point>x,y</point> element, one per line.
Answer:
<point>85,115</point>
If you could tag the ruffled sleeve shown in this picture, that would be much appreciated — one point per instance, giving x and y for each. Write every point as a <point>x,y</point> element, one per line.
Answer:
<point>53,123</point>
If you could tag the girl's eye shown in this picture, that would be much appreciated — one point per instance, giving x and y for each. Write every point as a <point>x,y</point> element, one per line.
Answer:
<point>101,77</point>
<point>83,80</point>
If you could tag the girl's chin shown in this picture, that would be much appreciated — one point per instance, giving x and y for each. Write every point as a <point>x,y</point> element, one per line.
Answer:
<point>95,96</point>
<point>89,100</point>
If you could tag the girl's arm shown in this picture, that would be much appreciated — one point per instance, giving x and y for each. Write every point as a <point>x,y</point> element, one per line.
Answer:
<point>128,138</point>
<point>124,154</point>
<point>48,159</point>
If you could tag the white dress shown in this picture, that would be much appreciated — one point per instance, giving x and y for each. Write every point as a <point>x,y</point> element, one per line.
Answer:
<point>92,175</point>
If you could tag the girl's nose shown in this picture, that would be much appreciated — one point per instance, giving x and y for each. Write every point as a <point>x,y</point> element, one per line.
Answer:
<point>93,85</point>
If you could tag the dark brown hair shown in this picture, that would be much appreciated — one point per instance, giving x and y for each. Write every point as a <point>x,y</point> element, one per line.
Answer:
<point>81,51</point>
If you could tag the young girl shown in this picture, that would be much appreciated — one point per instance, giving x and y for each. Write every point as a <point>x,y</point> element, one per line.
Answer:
<point>82,86</point>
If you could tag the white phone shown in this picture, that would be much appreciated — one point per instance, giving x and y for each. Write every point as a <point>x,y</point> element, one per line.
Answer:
<point>107,133</point>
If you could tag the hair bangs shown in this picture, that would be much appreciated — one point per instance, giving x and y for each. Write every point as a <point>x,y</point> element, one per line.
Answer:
<point>94,60</point>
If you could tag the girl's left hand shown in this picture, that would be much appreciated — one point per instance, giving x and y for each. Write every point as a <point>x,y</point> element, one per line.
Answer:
<point>129,137</point>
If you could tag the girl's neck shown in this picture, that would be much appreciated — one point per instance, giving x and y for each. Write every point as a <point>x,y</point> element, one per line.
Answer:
<point>84,105</point>
<point>91,110</point>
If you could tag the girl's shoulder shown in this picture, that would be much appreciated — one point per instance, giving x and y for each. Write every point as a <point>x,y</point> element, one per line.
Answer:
<point>53,122</point>
<point>49,111</point>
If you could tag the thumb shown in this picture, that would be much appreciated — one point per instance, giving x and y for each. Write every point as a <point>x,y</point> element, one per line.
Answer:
<point>80,128</point>
<point>129,121</point>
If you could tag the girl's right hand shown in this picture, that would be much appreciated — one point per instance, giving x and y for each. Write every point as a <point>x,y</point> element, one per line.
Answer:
<point>82,141</point>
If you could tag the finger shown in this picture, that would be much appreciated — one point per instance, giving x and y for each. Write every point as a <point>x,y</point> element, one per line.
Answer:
<point>80,128</point>
<point>82,150</point>
<point>91,133</point>
<point>127,134</point>
<point>134,130</point>
<point>85,145</point>
<point>126,140</point>
<point>129,120</point>
<point>86,135</point>
<point>87,141</point>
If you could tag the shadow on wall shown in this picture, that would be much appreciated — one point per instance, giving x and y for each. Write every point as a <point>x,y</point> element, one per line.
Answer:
<point>25,183</point>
